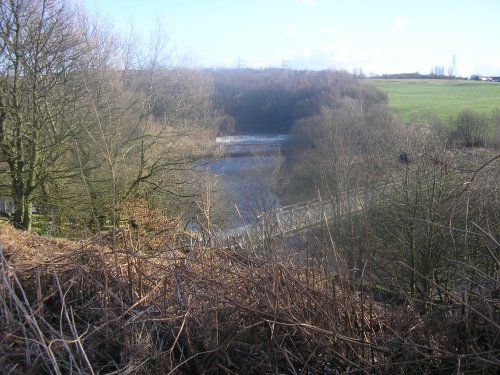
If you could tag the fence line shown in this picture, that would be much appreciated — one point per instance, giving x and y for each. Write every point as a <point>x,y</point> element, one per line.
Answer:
<point>294,218</point>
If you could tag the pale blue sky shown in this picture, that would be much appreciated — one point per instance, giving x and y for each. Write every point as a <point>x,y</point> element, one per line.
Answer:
<point>382,36</point>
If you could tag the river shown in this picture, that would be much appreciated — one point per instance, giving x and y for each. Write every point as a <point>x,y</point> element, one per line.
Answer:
<point>249,175</point>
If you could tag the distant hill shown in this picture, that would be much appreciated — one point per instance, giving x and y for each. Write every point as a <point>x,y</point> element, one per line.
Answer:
<point>272,100</point>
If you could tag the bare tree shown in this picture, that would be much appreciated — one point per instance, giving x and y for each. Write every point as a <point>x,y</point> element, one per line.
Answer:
<point>40,58</point>
<point>339,152</point>
<point>152,122</point>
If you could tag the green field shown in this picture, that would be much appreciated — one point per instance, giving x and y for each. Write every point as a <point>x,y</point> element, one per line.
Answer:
<point>422,100</point>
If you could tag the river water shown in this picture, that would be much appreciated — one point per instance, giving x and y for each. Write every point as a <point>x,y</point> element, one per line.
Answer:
<point>249,176</point>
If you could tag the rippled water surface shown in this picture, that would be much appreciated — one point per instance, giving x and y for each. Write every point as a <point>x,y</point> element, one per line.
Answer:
<point>249,173</point>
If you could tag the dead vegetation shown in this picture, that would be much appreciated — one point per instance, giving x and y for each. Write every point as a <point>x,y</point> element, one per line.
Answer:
<point>69,307</point>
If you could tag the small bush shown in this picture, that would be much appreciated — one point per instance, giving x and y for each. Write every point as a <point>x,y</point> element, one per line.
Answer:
<point>495,143</point>
<point>471,129</point>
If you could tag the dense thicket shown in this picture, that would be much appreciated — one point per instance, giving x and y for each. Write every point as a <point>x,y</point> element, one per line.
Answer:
<point>345,145</point>
<point>271,100</point>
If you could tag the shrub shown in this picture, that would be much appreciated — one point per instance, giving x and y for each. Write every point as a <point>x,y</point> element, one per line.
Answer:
<point>471,129</point>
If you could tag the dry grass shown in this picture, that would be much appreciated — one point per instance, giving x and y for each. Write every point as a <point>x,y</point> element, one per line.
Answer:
<point>69,307</point>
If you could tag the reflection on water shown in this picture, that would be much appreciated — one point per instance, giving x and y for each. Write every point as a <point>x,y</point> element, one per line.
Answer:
<point>250,174</point>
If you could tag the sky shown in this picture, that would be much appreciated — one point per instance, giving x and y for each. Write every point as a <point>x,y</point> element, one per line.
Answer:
<point>378,37</point>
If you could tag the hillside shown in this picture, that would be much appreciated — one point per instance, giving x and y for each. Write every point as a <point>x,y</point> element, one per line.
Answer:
<point>422,100</point>
<point>272,100</point>
<point>80,307</point>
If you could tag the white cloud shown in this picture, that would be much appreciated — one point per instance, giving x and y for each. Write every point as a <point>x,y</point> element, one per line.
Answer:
<point>401,22</point>
<point>486,67</point>
<point>374,59</point>
<point>290,32</point>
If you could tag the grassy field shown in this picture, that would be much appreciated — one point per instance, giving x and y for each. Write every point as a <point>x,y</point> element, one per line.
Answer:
<point>422,100</point>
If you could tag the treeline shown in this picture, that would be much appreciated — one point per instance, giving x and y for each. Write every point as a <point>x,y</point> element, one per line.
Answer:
<point>435,74</point>
<point>89,120</point>
<point>272,100</point>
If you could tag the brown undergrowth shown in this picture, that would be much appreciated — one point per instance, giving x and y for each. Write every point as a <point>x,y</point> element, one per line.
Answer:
<point>70,307</point>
